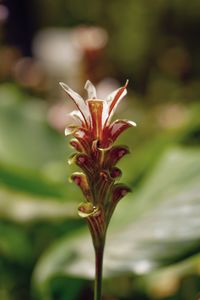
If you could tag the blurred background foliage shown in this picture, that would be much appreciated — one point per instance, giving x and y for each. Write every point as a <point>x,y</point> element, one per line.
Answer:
<point>154,240</point>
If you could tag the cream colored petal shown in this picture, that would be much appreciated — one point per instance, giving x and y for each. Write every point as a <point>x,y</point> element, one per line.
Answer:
<point>68,131</point>
<point>90,88</point>
<point>105,112</point>
<point>79,101</point>
<point>114,99</point>
<point>131,123</point>
<point>76,114</point>
<point>112,95</point>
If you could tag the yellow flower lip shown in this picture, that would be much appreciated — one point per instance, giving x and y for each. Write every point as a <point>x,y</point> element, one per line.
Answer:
<point>87,209</point>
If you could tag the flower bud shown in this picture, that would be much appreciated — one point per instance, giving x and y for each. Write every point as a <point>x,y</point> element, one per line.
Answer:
<point>119,191</point>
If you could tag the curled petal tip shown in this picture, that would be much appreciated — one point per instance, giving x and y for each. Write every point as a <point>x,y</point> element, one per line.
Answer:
<point>72,159</point>
<point>119,191</point>
<point>67,132</point>
<point>132,123</point>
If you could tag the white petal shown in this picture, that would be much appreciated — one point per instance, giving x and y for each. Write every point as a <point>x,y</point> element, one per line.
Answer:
<point>90,88</point>
<point>113,100</point>
<point>117,103</point>
<point>76,97</point>
<point>112,95</point>
<point>79,101</point>
<point>68,131</point>
<point>105,112</point>
<point>76,114</point>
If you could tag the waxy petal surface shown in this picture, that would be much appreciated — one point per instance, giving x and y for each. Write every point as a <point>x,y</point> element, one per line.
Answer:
<point>78,100</point>
<point>91,90</point>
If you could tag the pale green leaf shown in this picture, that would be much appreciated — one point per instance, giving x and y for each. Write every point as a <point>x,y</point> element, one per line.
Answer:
<point>156,226</point>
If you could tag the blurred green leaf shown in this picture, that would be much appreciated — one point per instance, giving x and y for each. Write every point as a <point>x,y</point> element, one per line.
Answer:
<point>35,183</point>
<point>19,207</point>
<point>62,288</point>
<point>157,226</point>
<point>26,138</point>
<point>14,243</point>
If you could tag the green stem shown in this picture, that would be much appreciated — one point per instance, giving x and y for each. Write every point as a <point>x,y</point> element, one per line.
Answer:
<point>99,251</point>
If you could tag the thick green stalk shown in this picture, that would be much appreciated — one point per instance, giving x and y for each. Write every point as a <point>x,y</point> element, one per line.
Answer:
<point>99,251</point>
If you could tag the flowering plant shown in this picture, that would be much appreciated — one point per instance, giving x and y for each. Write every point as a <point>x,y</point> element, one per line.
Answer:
<point>94,135</point>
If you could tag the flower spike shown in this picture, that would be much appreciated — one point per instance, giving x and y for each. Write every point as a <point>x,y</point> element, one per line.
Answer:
<point>93,138</point>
